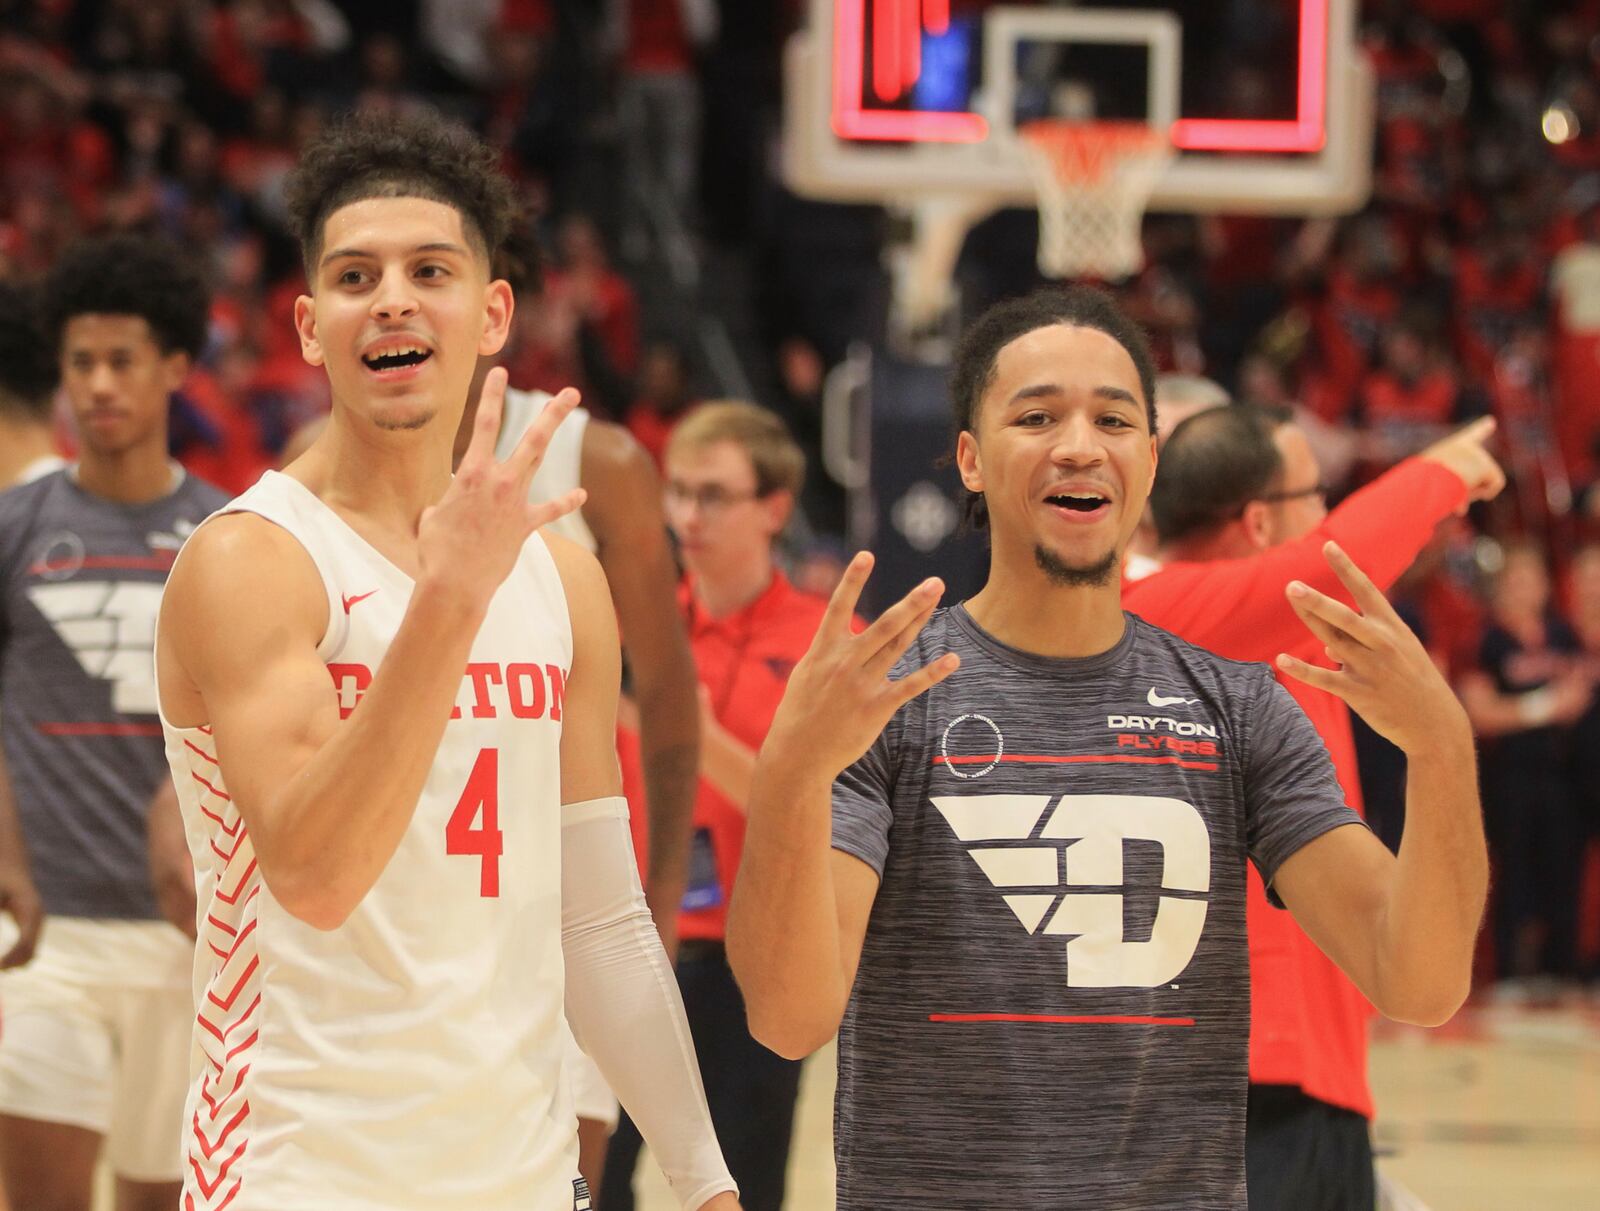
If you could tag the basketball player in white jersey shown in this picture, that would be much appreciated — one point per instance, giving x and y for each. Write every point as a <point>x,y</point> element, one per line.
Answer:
<point>389,706</point>
<point>622,524</point>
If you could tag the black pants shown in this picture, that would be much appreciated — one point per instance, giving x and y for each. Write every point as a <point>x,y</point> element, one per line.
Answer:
<point>1302,1154</point>
<point>750,1090</point>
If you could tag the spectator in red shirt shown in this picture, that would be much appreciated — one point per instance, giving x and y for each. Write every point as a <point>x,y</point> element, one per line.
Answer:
<point>1411,397</point>
<point>602,296</point>
<point>1498,284</point>
<point>1575,290</point>
<point>733,473</point>
<point>664,397</point>
<point>1239,506</point>
<point>1361,295</point>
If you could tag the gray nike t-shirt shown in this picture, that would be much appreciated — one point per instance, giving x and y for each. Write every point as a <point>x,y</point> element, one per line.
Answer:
<point>1053,1006</point>
<point>80,584</point>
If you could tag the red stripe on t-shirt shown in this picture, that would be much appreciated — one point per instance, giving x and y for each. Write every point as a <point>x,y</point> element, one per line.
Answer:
<point>141,563</point>
<point>99,729</point>
<point>1082,1019</point>
<point>1090,758</point>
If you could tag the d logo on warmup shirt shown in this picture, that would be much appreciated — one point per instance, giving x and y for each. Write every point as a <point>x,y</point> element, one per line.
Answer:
<point>1002,834</point>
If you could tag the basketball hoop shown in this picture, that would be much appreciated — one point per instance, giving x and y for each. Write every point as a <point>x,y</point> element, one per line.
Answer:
<point>1093,180</point>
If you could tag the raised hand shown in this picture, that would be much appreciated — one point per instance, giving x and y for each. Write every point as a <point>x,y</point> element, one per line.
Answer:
<point>1386,676</point>
<point>20,900</point>
<point>472,537</point>
<point>1465,452</point>
<point>839,696</point>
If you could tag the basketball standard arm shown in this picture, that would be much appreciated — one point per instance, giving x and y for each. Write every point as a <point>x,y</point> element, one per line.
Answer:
<point>624,511</point>
<point>622,1001</point>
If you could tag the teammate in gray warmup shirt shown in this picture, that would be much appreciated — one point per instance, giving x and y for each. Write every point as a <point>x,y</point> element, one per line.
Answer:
<point>1002,852</point>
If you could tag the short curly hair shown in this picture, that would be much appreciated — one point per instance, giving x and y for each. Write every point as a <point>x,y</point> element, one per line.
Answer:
<point>418,154</point>
<point>28,372</point>
<point>1075,306</point>
<point>131,274</point>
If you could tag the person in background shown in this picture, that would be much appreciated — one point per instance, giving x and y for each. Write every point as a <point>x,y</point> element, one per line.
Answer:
<point>28,375</point>
<point>94,1056</point>
<point>1584,583</point>
<point>733,474</point>
<point>27,451</point>
<point>910,842</point>
<point>1527,691</point>
<point>1240,509</point>
<point>665,395</point>
<point>1182,395</point>
<point>621,523</point>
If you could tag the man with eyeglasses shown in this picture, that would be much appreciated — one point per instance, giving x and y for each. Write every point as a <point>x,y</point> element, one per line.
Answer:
<point>733,473</point>
<point>1241,511</point>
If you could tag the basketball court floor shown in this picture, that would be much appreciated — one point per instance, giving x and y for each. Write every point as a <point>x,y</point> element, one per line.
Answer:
<point>1497,1111</point>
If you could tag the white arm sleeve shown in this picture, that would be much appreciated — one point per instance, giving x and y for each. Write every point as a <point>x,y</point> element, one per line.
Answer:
<point>623,1002</point>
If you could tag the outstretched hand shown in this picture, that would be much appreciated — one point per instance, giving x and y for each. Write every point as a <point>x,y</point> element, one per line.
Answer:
<point>1466,453</point>
<point>1386,676</point>
<point>475,532</point>
<point>839,696</point>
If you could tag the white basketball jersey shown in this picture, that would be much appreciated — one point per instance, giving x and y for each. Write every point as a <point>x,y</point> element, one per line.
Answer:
<point>561,470</point>
<point>412,1056</point>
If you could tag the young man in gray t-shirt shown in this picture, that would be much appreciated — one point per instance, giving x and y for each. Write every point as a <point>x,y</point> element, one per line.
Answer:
<point>95,1051</point>
<point>1003,853</point>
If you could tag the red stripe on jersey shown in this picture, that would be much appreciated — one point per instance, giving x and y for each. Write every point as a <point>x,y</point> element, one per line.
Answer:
<point>239,888</point>
<point>219,794</point>
<point>226,1003</point>
<point>221,823</point>
<point>225,955</point>
<point>1087,759</point>
<point>208,1150</point>
<point>207,1189</point>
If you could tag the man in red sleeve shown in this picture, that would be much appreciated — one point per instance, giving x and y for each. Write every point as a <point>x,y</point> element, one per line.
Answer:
<point>1240,512</point>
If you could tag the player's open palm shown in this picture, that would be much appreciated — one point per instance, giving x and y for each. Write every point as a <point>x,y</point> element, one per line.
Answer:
<point>1386,676</point>
<point>839,696</point>
<point>475,532</point>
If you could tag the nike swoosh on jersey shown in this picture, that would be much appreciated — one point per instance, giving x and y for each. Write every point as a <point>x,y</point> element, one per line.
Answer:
<point>350,601</point>
<point>1153,698</point>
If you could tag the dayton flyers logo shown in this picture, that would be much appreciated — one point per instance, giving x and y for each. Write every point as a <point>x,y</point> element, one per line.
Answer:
<point>1040,859</point>
<point>110,627</point>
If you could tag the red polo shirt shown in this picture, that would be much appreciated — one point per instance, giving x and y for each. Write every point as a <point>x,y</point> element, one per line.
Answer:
<point>744,660</point>
<point>1308,1023</point>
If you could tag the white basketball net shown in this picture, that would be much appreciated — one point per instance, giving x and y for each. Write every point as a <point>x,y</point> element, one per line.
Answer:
<point>1093,180</point>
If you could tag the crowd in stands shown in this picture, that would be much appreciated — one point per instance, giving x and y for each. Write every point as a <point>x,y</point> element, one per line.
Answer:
<point>1469,285</point>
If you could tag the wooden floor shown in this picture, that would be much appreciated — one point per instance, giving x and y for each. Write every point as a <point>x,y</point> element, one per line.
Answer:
<point>1498,1111</point>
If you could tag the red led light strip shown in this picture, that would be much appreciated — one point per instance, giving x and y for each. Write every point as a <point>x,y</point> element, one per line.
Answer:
<point>897,52</point>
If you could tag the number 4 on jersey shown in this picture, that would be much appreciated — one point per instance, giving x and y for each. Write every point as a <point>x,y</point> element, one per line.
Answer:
<point>482,792</point>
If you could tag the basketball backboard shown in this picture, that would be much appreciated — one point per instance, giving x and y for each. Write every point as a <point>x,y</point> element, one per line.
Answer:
<point>1268,103</point>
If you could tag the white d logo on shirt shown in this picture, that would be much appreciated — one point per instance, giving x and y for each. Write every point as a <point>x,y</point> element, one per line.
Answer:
<point>1092,828</point>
